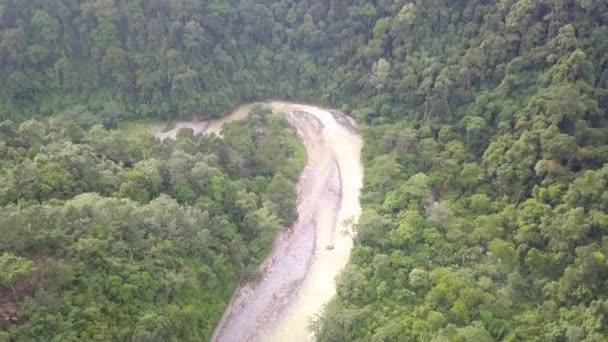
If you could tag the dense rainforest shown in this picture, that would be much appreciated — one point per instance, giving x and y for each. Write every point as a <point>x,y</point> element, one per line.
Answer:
<point>107,237</point>
<point>486,148</point>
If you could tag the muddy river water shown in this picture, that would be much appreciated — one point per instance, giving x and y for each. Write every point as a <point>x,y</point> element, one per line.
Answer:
<point>298,275</point>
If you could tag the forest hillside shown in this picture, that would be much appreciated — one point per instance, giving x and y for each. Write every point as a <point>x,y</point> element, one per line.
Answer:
<point>486,148</point>
<point>108,237</point>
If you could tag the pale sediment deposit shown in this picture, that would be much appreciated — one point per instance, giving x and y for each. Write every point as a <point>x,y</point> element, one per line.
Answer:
<point>298,276</point>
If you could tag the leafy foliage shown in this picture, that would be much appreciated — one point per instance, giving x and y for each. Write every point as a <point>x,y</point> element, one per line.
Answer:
<point>142,239</point>
<point>485,126</point>
<point>485,212</point>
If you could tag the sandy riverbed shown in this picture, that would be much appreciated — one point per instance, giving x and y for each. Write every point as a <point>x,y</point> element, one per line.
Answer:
<point>298,276</point>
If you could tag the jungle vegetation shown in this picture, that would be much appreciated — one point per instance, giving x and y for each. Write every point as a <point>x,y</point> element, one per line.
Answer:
<point>106,237</point>
<point>486,177</point>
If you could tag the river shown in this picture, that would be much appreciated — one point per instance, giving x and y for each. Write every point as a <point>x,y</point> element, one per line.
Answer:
<point>298,275</point>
